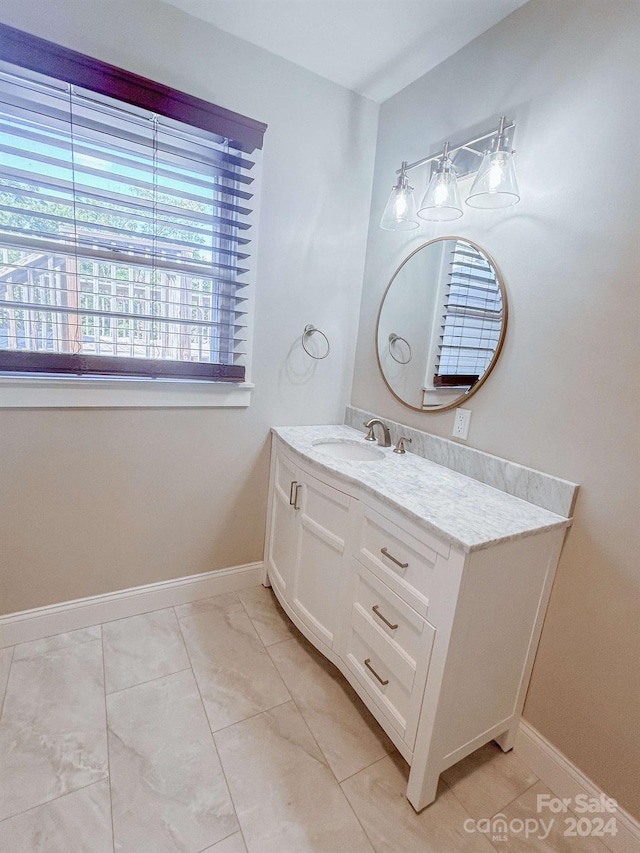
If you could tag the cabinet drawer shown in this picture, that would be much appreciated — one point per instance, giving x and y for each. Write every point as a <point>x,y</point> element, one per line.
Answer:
<point>389,614</point>
<point>397,558</point>
<point>392,696</point>
<point>387,675</point>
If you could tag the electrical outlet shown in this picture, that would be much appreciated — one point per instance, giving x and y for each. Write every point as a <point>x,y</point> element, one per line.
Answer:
<point>461,424</point>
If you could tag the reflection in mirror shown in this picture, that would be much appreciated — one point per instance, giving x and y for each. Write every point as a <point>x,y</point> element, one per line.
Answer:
<point>441,324</point>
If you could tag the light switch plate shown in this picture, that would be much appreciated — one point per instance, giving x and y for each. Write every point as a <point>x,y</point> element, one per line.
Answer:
<point>461,424</point>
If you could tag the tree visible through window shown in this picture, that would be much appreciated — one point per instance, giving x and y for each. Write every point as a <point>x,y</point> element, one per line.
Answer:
<point>124,236</point>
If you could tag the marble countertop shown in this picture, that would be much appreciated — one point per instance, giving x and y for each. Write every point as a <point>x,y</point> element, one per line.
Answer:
<point>464,512</point>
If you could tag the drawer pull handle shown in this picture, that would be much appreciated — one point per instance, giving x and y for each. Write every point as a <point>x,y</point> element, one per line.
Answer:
<point>383,681</point>
<point>293,483</point>
<point>393,559</point>
<point>295,500</point>
<point>380,616</point>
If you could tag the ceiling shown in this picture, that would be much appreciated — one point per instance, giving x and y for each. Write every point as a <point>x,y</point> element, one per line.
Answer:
<point>375,47</point>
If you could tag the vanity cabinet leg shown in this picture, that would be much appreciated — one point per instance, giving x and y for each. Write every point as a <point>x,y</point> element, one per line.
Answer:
<point>422,790</point>
<point>507,739</point>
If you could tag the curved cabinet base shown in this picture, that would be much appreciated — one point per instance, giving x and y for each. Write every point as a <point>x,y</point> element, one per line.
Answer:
<point>331,656</point>
<point>438,643</point>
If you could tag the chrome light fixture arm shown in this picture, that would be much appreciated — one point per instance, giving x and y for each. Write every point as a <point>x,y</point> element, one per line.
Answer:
<point>495,184</point>
<point>497,133</point>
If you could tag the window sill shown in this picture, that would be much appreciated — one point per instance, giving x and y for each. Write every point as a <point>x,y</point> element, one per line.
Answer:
<point>53,392</point>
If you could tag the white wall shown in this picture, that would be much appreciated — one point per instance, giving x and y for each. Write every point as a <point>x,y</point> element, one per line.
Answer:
<point>564,396</point>
<point>96,500</point>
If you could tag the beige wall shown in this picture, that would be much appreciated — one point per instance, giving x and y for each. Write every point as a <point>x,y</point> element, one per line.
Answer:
<point>564,396</point>
<point>97,500</point>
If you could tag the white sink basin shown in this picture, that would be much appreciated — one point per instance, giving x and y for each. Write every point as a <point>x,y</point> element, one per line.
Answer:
<point>355,451</point>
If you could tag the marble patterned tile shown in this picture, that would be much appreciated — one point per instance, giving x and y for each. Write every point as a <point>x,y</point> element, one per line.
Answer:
<point>79,822</point>
<point>168,790</point>
<point>236,676</point>
<point>57,641</point>
<point>269,619</point>
<point>53,729</point>
<point>232,844</point>
<point>345,730</point>
<point>6,656</point>
<point>488,779</point>
<point>544,832</point>
<point>140,648</point>
<point>377,795</point>
<point>286,796</point>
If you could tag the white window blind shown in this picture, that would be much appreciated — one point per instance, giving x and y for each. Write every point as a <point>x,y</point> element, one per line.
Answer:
<point>472,320</point>
<point>125,237</point>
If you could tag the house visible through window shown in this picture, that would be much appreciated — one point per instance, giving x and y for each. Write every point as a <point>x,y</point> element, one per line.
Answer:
<point>125,232</point>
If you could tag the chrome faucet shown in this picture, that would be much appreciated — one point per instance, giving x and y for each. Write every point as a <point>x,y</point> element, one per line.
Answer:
<point>371,436</point>
<point>399,448</point>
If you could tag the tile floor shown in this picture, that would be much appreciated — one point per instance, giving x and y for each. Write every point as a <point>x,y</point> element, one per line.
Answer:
<point>214,726</point>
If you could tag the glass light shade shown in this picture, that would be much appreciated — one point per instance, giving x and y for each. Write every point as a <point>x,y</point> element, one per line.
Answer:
<point>495,184</point>
<point>400,212</point>
<point>441,202</point>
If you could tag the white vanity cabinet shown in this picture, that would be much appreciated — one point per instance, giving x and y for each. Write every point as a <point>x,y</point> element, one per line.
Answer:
<point>437,640</point>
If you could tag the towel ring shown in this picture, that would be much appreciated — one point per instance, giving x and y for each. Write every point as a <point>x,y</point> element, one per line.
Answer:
<point>393,338</point>
<point>309,329</point>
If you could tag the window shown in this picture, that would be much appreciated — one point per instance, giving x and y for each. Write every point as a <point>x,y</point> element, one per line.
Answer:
<point>125,222</point>
<point>472,319</point>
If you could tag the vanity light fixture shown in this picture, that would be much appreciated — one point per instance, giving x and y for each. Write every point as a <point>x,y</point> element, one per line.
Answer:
<point>489,157</point>
<point>496,185</point>
<point>400,212</point>
<point>441,202</point>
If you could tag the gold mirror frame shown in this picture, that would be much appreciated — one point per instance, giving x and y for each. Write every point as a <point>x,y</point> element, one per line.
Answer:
<point>503,330</point>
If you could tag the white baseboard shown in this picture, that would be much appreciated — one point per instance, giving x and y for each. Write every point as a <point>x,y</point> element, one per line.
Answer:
<point>566,780</point>
<point>84,612</point>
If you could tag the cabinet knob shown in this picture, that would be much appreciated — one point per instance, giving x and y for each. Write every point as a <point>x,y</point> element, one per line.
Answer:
<point>293,483</point>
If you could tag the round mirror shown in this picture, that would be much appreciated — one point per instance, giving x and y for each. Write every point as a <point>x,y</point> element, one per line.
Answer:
<point>441,324</point>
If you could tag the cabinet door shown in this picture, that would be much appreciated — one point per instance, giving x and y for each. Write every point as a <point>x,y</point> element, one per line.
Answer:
<point>285,530</point>
<point>325,523</point>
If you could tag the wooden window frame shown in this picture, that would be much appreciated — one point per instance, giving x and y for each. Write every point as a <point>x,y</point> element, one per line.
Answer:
<point>48,58</point>
<point>42,56</point>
